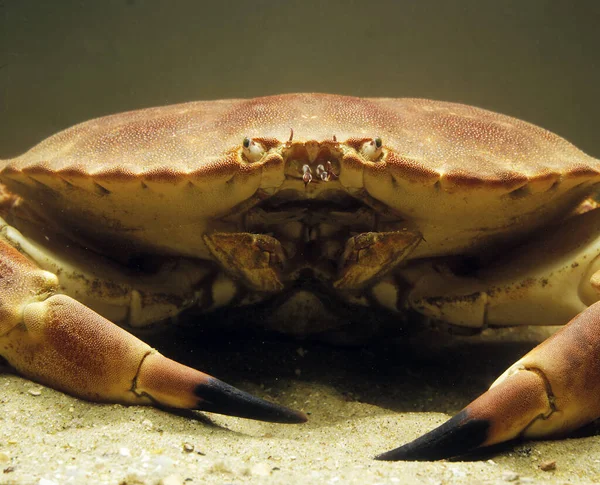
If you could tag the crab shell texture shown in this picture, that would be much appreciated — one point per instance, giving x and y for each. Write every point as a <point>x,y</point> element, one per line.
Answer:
<point>156,180</point>
<point>460,214</point>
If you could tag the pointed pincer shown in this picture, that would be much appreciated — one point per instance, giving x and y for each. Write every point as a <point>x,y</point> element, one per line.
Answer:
<point>170,383</point>
<point>552,390</point>
<point>498,415</point>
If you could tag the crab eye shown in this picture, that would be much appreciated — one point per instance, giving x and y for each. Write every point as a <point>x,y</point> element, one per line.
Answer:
<point>252,150</point>
<point>371,149</point>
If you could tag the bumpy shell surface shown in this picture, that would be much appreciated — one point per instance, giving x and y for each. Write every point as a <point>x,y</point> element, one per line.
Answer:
<point>155,179</point>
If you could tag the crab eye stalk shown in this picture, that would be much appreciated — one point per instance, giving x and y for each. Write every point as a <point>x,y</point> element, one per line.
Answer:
<point>371,150</point>
<point>252,150</point>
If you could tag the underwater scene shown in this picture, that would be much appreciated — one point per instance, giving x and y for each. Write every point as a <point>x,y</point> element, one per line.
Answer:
<point>299,242</point>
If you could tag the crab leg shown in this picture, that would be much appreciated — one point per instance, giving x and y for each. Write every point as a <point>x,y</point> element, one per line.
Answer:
<point>55,340</point>
<point>552,390</point>
<point>555,388</point>
<point>127,298</point>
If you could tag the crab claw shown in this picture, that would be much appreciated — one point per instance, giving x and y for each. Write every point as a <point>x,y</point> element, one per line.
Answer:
<point>500,414</point>
<point>552,390</point>
<point>172,384</point>
<point>67,346</point>
<point>57,341</point>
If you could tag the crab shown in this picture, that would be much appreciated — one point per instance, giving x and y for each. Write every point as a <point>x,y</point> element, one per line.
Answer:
<point>317,207</point>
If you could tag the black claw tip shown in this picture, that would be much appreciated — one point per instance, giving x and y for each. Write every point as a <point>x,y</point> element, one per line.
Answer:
<point>218,397</point>
<point>455,437</point>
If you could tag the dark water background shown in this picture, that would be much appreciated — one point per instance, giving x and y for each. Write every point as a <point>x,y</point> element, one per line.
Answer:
<point>62,62</point>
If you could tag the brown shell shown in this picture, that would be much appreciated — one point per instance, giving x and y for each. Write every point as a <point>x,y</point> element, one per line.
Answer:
<point>148,172</point>
<point>468,144</point>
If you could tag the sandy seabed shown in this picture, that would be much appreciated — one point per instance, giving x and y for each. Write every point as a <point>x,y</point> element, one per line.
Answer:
<point>361,401</point>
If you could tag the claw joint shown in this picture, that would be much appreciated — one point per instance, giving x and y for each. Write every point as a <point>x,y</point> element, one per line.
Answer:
<point>549,393</point>
<point>134,381</point>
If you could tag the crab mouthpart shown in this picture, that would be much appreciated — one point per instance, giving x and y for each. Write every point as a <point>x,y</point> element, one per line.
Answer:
<point>312,161</point>
<point>324,173</point>
<point>343,243</point>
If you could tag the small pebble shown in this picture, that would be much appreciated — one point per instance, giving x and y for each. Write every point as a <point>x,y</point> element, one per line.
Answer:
<point>510,476</point>
<point>124,452</point>
<point>171,480</point>
<point>457,472</point>
<point>4,457</point>
<point>147,423</point>
<point>34,392</point>
<point>548,465</point>
<point>261,470</point>
<point>162,462</point>
<point>188,447</point>
<point>45,481</point>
